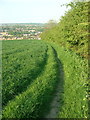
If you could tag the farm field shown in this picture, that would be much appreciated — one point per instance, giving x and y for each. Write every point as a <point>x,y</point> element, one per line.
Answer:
<point>32,71</point>
<point>21,60</point>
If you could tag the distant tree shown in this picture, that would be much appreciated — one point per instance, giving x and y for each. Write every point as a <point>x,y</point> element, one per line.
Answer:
<point>50,24</point>
<point>6,37</point>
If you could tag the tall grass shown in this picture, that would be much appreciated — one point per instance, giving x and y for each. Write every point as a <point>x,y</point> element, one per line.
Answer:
<point>32,102</point>
<point>22,62</point>
<point>74,103</point>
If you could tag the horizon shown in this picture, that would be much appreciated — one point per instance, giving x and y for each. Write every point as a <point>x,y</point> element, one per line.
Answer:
<point>26,23</point>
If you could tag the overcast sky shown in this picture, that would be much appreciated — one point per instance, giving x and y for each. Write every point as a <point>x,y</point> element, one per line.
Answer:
<point>27,11</point>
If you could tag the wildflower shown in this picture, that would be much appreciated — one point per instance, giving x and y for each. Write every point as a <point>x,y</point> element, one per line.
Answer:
<point>83,106</point>
<point>84,98</point>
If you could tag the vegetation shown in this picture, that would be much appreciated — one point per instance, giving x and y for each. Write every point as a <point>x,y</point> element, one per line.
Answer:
<point>32,101</point>
<point>73,94</point>
<point>28,92</point>
<point>72,30</point>
<point>50,24</point>
<point>31,70</point>
<point>0,79</point>
<point>21,65</point>
<point>70,39</point>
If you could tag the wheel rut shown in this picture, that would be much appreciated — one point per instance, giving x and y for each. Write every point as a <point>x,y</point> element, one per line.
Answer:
<point>55,104</point>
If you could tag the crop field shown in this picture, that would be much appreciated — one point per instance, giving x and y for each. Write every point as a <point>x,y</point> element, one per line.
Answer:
<point>30,73</point>
<point>23,61</point>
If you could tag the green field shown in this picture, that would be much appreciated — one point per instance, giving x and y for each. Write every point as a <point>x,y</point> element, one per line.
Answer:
<point>49,78</point>
<point>31,75</point>
<point>21,59</point>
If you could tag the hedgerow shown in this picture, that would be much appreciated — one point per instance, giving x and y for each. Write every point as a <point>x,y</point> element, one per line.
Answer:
<point>73,29</point>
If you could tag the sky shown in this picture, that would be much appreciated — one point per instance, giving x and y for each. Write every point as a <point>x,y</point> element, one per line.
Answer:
<point>31,11</point>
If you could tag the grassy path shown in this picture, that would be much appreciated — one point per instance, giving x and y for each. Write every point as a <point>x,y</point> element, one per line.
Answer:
<point>55,104</point>
<point>74,103</point>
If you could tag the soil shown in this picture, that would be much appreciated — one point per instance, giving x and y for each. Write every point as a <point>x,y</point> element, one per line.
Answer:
<point>55,104</point>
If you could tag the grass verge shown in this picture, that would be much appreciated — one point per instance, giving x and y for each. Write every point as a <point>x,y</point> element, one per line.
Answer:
<point>75,96</point>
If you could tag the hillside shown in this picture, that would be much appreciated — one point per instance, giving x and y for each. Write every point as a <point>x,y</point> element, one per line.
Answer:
<point>43,80</point>
<point>48,78</point>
